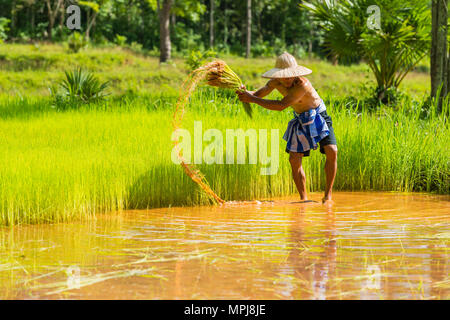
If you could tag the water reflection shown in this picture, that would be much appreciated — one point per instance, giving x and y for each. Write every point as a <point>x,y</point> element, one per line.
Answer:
<point>311,261</point>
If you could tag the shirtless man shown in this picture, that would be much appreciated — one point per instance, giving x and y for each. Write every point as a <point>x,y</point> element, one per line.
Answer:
<point>302,97</point>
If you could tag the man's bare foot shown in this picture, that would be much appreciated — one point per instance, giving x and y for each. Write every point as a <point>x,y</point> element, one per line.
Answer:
<point>327,200</point>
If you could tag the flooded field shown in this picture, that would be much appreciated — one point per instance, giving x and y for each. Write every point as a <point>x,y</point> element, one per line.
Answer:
<point>366,246</point>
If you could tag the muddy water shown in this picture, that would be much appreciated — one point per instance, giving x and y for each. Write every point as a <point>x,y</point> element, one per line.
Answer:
<point>366,246</point>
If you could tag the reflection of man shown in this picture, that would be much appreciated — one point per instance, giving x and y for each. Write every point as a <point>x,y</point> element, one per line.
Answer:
<point>307,269</point>
<point>325,268</point>
<point>311,124</point>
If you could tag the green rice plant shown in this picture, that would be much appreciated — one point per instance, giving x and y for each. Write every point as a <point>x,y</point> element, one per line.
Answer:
<point>116,155</point>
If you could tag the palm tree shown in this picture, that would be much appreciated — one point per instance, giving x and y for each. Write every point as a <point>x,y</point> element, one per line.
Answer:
<point>392,50</point>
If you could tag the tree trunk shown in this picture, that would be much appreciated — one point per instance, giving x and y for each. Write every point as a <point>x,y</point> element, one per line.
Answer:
<point>52,14</point>
<point>91,22</point>
<point>62,15</point>
<point>164,30</point>
<point>438,57</point>
<point>225,26</point>
<point>13,17</point>
<point>211,25</point>
<point>310,42</point>
<point>33,17</point>
<point>249,28</point>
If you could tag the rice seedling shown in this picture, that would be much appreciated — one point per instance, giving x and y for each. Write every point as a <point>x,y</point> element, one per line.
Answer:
<point>218,74</point>
<point>59,287</point>
<point>104,158</point>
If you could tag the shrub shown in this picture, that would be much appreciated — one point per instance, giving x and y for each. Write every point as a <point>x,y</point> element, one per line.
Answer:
<point>264,49</point>
<point>136,47</point>
<point>76,42</point>
<point>79,87</point>
<point>120,40</point>
<point>197,57</point>
<point>3,28</point>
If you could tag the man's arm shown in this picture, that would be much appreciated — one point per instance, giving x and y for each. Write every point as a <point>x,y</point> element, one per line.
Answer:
<point>276,105</point>
<point>264,91</point>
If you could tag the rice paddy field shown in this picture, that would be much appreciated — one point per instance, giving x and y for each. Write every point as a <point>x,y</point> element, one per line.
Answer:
<point>115,155</point>
<point>93,207</point>
<point>370,245</point>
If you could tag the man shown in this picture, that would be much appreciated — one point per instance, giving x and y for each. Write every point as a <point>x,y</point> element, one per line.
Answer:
<point>311,123</point>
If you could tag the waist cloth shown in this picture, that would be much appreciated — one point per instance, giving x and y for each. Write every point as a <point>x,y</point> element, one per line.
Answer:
<point>306,130</point>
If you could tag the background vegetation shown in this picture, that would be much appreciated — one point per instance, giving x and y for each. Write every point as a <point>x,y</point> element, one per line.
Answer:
<point>136,21</point>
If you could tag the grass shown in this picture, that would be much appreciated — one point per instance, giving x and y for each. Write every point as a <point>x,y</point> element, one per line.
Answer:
<point>30,69</point>
<point>60,166</point>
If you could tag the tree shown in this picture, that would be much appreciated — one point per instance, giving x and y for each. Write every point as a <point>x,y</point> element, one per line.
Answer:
<point>164,30</point>
<point>439,57</point>
<point>3,29</point>
<point>211,24</point>
<point>391,49</point>
<point>249,28</point>
<point>93,9</point>
<point>52,11</point>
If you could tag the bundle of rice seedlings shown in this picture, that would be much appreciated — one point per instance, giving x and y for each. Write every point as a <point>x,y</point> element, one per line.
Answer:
<point>218,74</point>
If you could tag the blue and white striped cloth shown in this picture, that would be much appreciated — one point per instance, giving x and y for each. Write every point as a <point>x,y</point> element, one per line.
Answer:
<point>306,130</point>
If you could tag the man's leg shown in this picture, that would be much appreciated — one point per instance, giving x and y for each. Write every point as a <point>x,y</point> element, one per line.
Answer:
<point>330,169</point>
<point>298,174</point>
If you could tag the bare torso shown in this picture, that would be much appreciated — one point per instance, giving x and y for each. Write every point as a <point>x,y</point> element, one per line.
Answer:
<point>308,98</point>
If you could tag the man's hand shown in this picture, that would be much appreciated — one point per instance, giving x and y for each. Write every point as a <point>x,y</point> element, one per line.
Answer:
<point>245,96</point>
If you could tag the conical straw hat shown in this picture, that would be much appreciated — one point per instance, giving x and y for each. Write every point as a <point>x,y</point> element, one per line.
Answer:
<point>286,67</point>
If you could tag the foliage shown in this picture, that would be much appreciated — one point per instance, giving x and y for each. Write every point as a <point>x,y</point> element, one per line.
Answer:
<point>142,73</point>
<point>3,29</point>
<point>136,47</point>
<point>79,87</point>
<point>198,57</point>
<point>262,49</point>
<point>94,6</point>
<point>274,22</point>
<point>76,42</point>
<point>120,40</point>
<point>391,51</point>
